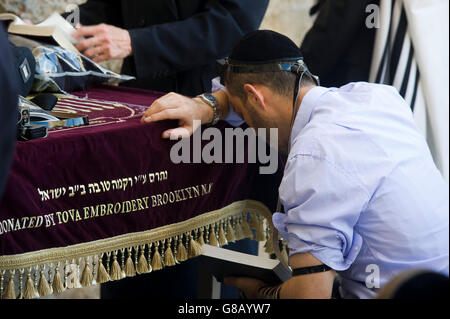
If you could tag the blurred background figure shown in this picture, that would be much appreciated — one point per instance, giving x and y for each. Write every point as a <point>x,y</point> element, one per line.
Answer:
<point>8,108</point>
<point>395,42</point>
<point>170,46</point>
<point>416,284</point>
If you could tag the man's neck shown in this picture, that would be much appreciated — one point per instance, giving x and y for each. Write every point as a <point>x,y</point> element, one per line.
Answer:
<point>301,94</point>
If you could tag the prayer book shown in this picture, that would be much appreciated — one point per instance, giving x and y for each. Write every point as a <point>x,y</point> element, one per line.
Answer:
<point>221,262</point>
<point>54,30</point>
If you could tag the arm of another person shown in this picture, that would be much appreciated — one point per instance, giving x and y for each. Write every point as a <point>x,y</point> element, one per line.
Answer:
<point>186,44</point>
<point>100,11</point>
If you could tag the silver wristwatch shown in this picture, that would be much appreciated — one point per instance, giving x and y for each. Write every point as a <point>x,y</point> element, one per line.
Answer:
<point>212,101</point>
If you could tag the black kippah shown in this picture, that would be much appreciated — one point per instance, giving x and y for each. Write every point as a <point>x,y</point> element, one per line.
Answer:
<point>265,46</point>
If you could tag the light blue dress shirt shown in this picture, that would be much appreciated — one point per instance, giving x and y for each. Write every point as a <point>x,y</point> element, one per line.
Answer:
<point>360,189</point>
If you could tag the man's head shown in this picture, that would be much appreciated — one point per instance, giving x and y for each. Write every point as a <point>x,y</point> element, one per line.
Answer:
<point>261,77</point>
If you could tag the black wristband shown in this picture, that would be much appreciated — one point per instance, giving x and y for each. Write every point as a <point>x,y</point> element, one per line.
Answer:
<point>310,270</point>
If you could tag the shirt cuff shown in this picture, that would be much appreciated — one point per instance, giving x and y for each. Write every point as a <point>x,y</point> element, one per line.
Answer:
<point>330,256</point>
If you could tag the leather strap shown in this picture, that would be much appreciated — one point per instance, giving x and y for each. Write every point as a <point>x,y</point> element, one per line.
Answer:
<point>310,270</point>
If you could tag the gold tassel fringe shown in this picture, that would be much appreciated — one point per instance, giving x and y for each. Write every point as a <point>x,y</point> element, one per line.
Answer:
<point>102,274</point>
<point>129,269</point>
<point>10,292</point>
<point>212,237</point>
<point>30,291</point>
<point>57,283</point>
<point>195,249</point>
<point>86,276</point>
<point>169,259</point>
<point>230,233</point>
<point>43,287</point>
<point>116,271</point>
<point>181,251</point>
<point>157,263</point>
<point>222,239</point>
<point>143,260</point>
<point>142,266</point>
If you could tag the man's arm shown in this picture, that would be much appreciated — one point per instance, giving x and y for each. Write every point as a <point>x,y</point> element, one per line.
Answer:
<point>183,45</point>
<point>186,110</point>
<point>101,11</point>
<point>310,286</point>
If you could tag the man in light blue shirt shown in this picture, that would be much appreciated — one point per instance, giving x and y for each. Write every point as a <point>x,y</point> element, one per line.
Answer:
<point>361,194</point>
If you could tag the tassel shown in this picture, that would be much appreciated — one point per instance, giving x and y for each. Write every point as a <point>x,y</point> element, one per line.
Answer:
<point>157,263</point>
<point>57,284</point>
<point>246,231</point>
<point>142,266</point>
<point>102,274</point>
<point>30,291</point>
<point>195,249</point>
<point>43,287</point>
<point>230,233</point>
<point>254,221</point>
<point>181,252</point>
<point>201,240</point>
<point>284,253</point>
<point>122,265</point>
<point>130,271</point>
<point>116,271</point>
<point>86,276</point>
<point>259,230</point>
<point>213,238</point>
<point>10,292</point>
<point>239,233</point>
<point>269,242</point>
<point>169,259</point>
<point>222,238</point>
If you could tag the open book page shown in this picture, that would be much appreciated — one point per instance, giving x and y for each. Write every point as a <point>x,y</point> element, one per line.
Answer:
<point>55,27</point>
<point>58,21</point>
<point>11,17</point>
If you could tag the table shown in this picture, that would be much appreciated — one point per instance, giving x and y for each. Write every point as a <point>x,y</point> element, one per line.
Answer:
<point>103,202</point>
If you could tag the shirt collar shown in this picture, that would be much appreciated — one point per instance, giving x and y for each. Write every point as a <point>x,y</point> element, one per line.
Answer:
<point>307,106</point>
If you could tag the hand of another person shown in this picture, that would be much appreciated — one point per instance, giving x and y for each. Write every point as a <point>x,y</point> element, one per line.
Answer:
<point>249,286</point>
<point>103,42</point>
<point>178,107</point>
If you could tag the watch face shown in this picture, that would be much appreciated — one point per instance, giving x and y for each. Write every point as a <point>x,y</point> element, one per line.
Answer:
<point>210,97</point>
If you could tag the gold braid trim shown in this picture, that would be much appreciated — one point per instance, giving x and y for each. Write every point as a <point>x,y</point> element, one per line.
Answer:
<point>185,237</point>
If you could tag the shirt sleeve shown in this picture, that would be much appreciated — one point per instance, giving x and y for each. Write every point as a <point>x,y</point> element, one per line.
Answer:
<point>233,118</point>
<point>322,204</point>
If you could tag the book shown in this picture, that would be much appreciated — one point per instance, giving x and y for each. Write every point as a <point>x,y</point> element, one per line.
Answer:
<point>221,263</point>
<point>55,29</point>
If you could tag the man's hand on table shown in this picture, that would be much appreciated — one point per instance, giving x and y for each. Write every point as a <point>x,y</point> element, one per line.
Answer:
<point>186,110</point>
<point>103,42</point>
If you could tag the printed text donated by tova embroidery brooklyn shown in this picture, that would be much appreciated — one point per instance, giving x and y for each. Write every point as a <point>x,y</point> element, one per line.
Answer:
<point>105,209</point>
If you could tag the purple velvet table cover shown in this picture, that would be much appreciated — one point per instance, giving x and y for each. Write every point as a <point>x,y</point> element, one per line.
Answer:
<point>103,171</point>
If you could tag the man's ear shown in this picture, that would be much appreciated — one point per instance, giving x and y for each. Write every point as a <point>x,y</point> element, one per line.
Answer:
<point>255,95</point>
